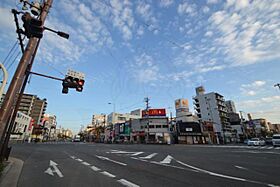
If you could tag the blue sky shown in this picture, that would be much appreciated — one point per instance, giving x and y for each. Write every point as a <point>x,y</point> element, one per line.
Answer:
<point>162,49</point>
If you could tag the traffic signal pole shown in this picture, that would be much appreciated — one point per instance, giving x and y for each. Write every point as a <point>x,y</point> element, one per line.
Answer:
<point>18,79</point>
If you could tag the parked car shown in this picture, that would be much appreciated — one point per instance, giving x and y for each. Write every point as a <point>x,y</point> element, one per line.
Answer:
<point>276,140</point>
<point>256,142</point>
<point>268,140</point>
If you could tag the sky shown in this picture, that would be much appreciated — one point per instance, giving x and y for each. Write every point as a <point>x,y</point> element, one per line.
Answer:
<point>161,49</point>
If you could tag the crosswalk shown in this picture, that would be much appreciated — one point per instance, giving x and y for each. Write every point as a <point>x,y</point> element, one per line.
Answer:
<point>242,147</point>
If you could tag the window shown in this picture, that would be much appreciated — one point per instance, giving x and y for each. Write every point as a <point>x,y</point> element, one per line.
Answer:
<point>151,126</point>
<point>158,126</point>
<point>164,126</point>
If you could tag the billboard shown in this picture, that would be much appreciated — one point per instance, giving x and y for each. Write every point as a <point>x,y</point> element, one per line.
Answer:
<point>181,103</point>
<point>154,112</point>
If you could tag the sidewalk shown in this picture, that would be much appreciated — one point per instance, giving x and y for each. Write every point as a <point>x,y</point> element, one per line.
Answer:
<point>11,173</point>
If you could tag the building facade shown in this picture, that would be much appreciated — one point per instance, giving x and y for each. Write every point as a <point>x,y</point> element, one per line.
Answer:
<point>99,120</point>
<point>211,107</point>
<point>230,106</point>
<point>22,128</point>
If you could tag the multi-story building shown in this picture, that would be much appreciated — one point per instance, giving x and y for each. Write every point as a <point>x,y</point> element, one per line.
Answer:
<point>99,120</point>
<point>38,110</point>
<point>230,106</point>
<point>114,118</point>
<point>211,107</point>
<point>22,128</point>
<point>188,129</point>
<point>33,106</point>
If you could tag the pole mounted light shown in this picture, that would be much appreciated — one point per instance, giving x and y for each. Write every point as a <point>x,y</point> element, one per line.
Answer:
<point>277,85</point>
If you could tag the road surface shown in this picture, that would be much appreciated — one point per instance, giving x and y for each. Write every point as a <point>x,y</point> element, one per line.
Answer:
<point>84,164</point>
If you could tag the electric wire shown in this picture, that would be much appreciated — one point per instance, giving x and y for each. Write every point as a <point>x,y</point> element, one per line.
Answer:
<point>10,52</point>
<point>13,61</point>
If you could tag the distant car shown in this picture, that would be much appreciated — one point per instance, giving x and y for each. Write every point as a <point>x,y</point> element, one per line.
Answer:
<point>276,140</point>
<point>246,141</point>
<point>256,142</point>
<point>268,140</point>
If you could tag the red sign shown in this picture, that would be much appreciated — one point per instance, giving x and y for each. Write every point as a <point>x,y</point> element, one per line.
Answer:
<point>154,112</point>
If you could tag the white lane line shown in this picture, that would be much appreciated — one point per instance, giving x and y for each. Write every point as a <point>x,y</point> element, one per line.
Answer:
<point>127,183</point>
<point>108,174</point>
<point>108,159</point>
<point>167,160</point>
<point>80,160</point>
<point>135,158</point>
<point>269,147</point>
<point>95,168</point>
<point>85,163</point>
<point>221,175</point>
<point>211,173</point>
<point>240,167</point>
<point>149,156</point>
<point>138,153</point>
<point>73,157</point>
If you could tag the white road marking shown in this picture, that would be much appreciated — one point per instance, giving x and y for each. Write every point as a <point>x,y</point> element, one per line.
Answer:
<point>167,160</point>
<point>138,153</point>
<point>125,152</point>
<point>277,148</point>
<point>95,168</point>
<point>149,156</point>
<point>49,171</point>
<point>211,173</point>
<point>73,157</point>
<point>127,183</point>
<point>108,159</point>
<point>108,174</point>
<point>80,160</point>
<point>240,167</point>
<point>55,169</point>
<point>221,175</point>
<point>85,163</point>
<point>269,147</point>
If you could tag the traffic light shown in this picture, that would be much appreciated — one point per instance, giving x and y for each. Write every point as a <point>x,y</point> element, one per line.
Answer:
<point>32,27</point>
<point>80,85</point>
<point>72,82</point>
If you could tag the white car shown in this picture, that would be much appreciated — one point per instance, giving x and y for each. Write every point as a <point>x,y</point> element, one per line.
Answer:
<point>276,140</point>
<point>256,141</point>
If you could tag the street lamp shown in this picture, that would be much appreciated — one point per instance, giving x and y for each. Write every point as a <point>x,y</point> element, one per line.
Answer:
<point>114,106</point>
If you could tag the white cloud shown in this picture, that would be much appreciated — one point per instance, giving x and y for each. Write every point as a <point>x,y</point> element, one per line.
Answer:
<point>205,9</point>
<point>166,3</point>
<point>6,19</point>
<point>187,8</point>
<point>145,70</point>
<point>208,33</point>
<point>264,107</point>
<point>253,88</point>
<point>212,1</point>
<point>246,31</point>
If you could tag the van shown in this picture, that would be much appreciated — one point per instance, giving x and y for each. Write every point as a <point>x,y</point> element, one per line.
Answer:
<point>276,140</point>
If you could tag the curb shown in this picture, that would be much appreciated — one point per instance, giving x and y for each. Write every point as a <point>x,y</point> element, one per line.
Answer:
<point>11,173</point>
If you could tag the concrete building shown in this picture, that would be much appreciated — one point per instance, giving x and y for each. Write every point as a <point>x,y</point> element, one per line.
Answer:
<point>99,120</point>
<point>211,107</point>
<point>49,125</point>
<point>38,110</point>
<point>230,106</point>
<point>22,128</point>
<point>114,118</point>
<point>188,128</point>
<point>275,128</point>
<point>158,130</point>
<point>259,127</point>
<point>33,106</point>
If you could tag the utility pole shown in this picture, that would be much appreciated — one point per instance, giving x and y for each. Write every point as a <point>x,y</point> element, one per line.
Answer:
<point>146,100</point>
<point>18,78</point>
<point>243,125</point>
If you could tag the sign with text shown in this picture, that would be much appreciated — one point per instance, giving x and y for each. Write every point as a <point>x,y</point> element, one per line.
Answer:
<point>154,112</point>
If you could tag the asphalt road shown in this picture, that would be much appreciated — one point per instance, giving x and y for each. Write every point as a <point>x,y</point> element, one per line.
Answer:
<point>82,164</point>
